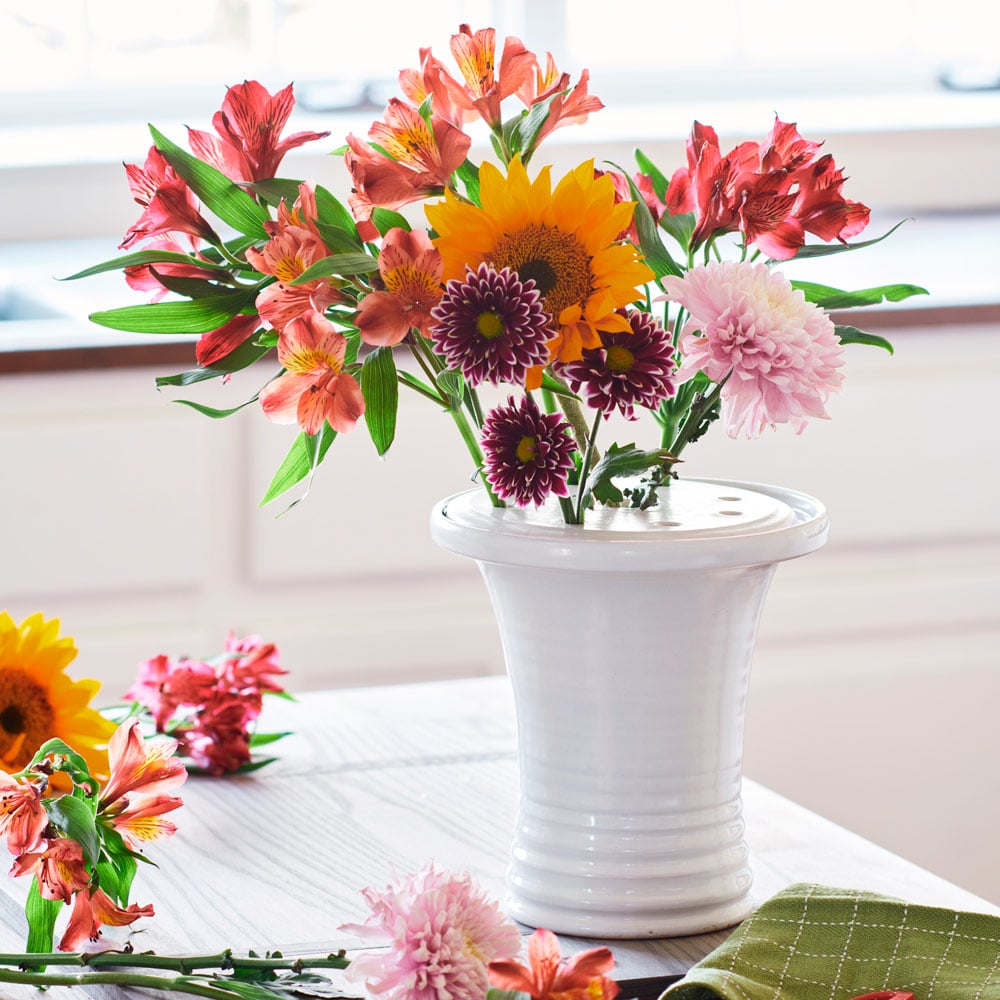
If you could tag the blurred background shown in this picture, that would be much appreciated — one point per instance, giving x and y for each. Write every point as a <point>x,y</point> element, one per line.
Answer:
<point>136,521</point>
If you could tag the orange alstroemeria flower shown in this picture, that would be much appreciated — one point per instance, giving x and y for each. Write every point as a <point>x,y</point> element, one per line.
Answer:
<point>547,977</point>
<point>475,53</point>
<point>140,766</point>
<point>315,386</point>
<point>90,911</point>
<point>421,159</point>
<point>410,269</point>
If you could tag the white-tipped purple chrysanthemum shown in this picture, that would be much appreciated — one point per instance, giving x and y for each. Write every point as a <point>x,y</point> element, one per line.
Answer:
<point>527,454</point>
<point>628,370</point>
<point>491,326</point>
<point>781,353</point>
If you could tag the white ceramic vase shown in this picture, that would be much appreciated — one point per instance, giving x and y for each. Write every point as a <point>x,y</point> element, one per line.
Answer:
<point>628,643</point>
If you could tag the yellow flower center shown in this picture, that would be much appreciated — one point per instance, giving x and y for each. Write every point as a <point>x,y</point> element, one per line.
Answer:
<point>409,145</point>
<point>289,268</point>
<point>555,260</point>
<point>489,325</point>
<point>619,359</point>
<point>26,718</point>
<point>411,284</point>
<point>527,449</point>
<point>309,361</point>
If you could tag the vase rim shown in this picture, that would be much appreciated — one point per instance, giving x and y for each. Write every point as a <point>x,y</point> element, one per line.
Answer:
<point>698,523</point>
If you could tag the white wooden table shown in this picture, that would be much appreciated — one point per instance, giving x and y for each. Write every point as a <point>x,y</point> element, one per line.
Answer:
<point>384,779</point>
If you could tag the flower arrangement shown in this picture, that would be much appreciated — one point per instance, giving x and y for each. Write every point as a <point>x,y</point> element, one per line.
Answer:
<point>210,707</point>
<point>599,291</point>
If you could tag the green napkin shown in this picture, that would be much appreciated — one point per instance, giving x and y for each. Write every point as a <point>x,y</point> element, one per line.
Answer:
<point>813,942</point>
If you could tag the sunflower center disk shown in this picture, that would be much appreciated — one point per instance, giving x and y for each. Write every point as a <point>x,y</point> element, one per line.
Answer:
<point>556,261</point>
<point>489,325</point>
<point>619,359</point>
<point>26,718</point>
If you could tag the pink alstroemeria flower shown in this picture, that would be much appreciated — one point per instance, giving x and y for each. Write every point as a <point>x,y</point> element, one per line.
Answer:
<point>142,820</point>
<point>138,766</point>
<point>23,818</point>
<point>410,268</point>
<point>315,386</point>
<point>169,203</point>
<point>434,81</point>
<point>217,344</point>
<point>253,665</point>
<point>547,977</point>
<point>249,146</point>
<point>146,277</point>
<point>58,867</point>
<point>571,105</point>
<point>90,911</point>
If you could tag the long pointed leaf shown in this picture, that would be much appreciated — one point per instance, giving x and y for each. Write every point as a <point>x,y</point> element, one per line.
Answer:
<point>244,356</point>
<point>201,316</point>
<point>306,453</point>
<point>211,411</point>
<point>852,335</point>
<point>140,258</point>
<point>230,203</point>
<point>337,263</point>
<point>381,391</point>
<point>653,172</point>
<point>825,249</point>
<point>41,914</point>
<point>837,298</point>
<point>656,254</point>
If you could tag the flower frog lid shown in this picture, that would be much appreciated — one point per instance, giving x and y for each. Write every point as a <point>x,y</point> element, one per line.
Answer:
<point>701,523</point>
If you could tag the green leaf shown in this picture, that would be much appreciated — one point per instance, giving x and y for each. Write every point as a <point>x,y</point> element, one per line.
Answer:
<point>262,739</point>
<point>468,174</point>
<point>381,391</point>
<point>386,219</point>
<point>419,385</point>
<point>836,298</point>
<point>825,249</point>
<point>211,411</point>
<point>522,132</point>
<point>496,994</point>
<point>453,383</point>
<point>680,227</point>
<point>306,453</point>
<point>656,254</point>
<point>337,240</point>
<point>230,203</point>
<point>626,460</point>
<point>852,335</point>
<point>244,356</point>
<point>337,263</point>
<point>76,819</point>
<point>200,316</point>
<point>70,762</point>
<point>332,213</point>
<point>195,288</point>
<point>140,258</point>
<point>41,914</point>
<point>653,172</point>
<point>557,386</point>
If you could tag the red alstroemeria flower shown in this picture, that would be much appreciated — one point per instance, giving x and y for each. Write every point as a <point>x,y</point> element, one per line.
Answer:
<point>252,664</point>
<point>410,269</point>
<point>169,203</point>
<point>90,911</point>
<point>785,149</point>
<point>547,977</point>
<point>249,146</point>
<point>217,344</point>
<point>139,766</point>
<point>765,216</point>
<point>315,386</point>
<point>475,53</point>
<point>422,158</point>
<point>821,208</point>
<point>58,867</point>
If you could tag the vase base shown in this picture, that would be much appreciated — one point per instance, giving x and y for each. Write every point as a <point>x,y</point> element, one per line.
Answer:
<point>649,922</point>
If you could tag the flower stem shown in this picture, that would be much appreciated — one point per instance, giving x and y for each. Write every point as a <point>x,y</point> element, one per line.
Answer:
<point>166,983</point>
<point>184,964</point>
<point>588,458</point>
<point>695,416</point>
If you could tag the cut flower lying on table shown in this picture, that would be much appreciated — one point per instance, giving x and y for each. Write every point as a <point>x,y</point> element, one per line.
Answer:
<point>599,290</point>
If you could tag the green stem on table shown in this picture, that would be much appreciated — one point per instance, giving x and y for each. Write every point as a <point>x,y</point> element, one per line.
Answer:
<point>588,457</point>
<point>185,964</point>
<point>165,983</point>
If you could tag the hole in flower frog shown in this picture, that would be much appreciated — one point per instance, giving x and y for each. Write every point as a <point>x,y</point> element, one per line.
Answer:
<point>731,513</point>
<point>730,499</point>
<point>667,524</point>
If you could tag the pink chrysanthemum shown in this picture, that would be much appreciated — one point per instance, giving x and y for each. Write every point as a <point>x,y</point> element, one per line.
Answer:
<point>779,352</point>
<point>441,931</point>
<point>627,370</point>
<point>527,453</point>
<point>492,326</point>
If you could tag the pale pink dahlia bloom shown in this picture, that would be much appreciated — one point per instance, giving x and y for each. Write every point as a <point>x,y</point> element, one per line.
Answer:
<point>780,352</point>
<point>441,931</point>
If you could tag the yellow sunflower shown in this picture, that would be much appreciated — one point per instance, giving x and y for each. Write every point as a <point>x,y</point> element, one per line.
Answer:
<point>38,701</point>
<point>565,239</point>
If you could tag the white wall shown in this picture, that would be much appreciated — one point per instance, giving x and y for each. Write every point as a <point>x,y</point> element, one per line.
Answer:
<point>876,681</point>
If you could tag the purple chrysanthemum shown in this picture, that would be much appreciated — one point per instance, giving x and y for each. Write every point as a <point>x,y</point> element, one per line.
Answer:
<point>492,326</point>
<point>527,453</point>
<point>628,370</point>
